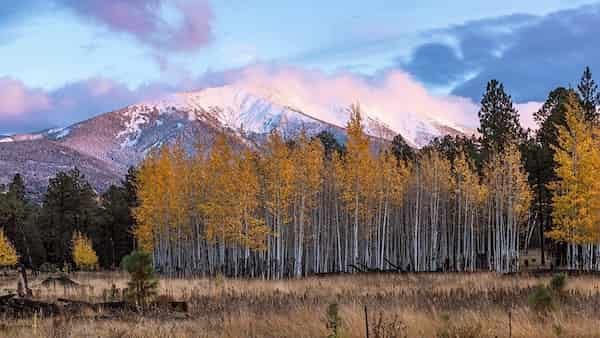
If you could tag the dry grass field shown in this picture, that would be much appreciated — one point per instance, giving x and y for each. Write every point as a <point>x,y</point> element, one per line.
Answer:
<point>398,305</point>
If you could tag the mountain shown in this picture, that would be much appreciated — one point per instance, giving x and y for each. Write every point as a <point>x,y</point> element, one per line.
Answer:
<point>40,159</point>
<point>103,147</point>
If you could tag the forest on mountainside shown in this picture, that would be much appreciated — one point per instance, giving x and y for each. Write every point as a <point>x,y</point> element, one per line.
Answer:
<point>311,205</point>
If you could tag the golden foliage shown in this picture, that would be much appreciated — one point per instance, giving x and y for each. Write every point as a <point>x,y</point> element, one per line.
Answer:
<point>576,200</point>
<point>8,253</point>
<point>506,180</point>
<point>83,253</point>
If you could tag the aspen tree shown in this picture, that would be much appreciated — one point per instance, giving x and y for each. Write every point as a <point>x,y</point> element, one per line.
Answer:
<point>307,157</point>
<point>469,194</point>
<point>576,200</point>
<point>279,173</point>
<point>290,208</point>
<point>8,253</point>
<point>83,253</point>
<point>148,184</point>
<point>358,170</point>
<point>509,199</point>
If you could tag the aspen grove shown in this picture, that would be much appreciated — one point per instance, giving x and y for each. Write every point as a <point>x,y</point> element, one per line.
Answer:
<point>294,207</point>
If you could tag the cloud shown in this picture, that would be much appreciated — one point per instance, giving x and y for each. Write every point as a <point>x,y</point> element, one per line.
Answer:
<point>531,55</point>
<point>394,97</point>
<point>164,25</point>
<point>146,20</point>
<point>16,99</point>
<point>24,109</point>
<point>436,64</point>
<point>526,111</point>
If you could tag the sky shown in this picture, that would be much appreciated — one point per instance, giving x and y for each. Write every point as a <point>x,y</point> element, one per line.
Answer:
<point>62,61</point>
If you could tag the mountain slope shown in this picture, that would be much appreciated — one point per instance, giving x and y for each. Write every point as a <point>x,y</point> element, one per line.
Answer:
<point>38,160</point>
<point>107,144</point>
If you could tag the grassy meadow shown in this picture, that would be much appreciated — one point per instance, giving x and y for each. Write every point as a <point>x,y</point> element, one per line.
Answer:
<point>398,305</point>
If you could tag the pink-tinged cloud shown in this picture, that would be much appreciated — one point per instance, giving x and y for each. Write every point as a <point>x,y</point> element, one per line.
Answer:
<point>526,111</point>
<point>394,98</point>
<point>16,99</point>
<point>27,110</point>
<point>146,21</point>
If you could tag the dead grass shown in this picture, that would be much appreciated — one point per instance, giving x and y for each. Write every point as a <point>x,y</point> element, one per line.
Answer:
<point>408,305</point>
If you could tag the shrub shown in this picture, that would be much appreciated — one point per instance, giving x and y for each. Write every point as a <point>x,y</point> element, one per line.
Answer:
<point>541,299</point>
<point>143,284</point>
<point>558,282</point>
<point>334,322</point>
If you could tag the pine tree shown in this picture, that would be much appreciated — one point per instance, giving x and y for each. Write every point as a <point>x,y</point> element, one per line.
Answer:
<point>330,143</point>
<point>8,253</point>
<point>70,204</point>
<point>143,285</point>
<point>17,187</point>
<point>499,120</point>
<point>589,96</point>
<point>539,158</point>
<point>401,150</point>
<point>18,216</point>
<point>116,223</point>
<point>83,252</point>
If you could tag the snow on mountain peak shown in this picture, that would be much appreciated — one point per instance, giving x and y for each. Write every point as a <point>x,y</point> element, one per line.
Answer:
<point>259,109</point>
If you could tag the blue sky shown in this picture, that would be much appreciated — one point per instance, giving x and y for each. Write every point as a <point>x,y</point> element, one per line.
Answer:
<point>64,60</point>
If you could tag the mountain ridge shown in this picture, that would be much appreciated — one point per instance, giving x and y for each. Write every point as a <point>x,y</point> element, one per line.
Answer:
<point>107,144</point>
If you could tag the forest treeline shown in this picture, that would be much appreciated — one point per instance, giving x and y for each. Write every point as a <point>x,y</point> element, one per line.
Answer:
<point>311,204</point>
<point>42,233</point>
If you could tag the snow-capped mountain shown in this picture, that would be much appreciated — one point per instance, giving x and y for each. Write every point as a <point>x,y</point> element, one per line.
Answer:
<point>122,138</point>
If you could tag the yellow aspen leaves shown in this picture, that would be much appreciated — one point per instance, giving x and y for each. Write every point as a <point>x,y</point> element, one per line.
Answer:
<point>576,200</point>
<point>83,253</point>
<point>8,253</point>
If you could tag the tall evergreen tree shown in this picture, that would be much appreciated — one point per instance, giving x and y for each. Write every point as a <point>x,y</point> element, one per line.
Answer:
<point>588,96</point>
<point>539,157</point>
<point>17,187</point>
<point>452,146</point>
<point>18,216</point>
<point>401,150</point>
<point>330,143</point>
<point>69,204</point>
<point>114,237</point>
<point>499,120</point>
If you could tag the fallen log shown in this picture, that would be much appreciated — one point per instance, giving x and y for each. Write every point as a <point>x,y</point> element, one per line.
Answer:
<point>5,298</point>
<point>62,280</point>
<point>76,306</point>
<point>17,307</point>
<point>355,268</point>
<point>24,307</point>
<point>173,306</point>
